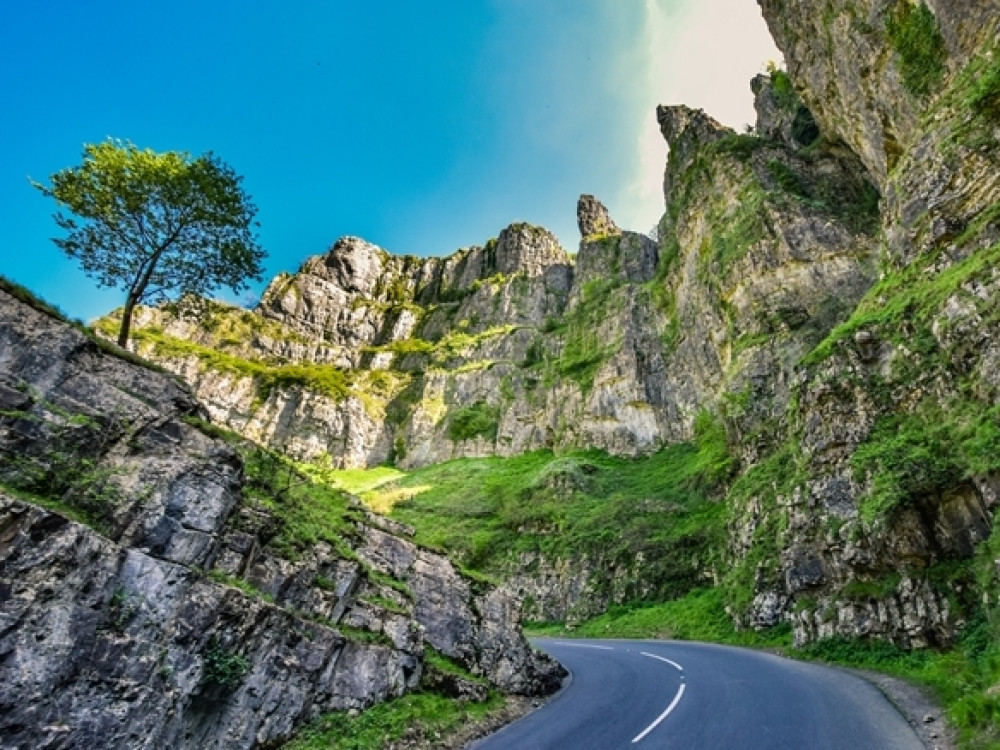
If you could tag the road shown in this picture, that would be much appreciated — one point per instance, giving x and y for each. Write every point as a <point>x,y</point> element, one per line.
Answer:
<point>645,695</point>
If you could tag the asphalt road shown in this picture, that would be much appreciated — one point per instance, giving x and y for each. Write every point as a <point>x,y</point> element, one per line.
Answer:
<point>645,695</point>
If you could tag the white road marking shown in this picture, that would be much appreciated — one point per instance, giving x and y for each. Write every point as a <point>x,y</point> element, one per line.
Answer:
<point>673,664</point>
<point>583,645</point>
<point>673,704</point>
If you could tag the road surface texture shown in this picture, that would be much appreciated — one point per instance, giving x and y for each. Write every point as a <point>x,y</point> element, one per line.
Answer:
<point>644,695</point>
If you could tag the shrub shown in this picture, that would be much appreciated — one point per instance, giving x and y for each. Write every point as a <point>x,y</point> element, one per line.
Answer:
<point>478,420</point>
<point>224,668</point>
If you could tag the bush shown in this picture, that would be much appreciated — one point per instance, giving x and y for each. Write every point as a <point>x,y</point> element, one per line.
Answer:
<point>224,668</point>
<point>478,420</point>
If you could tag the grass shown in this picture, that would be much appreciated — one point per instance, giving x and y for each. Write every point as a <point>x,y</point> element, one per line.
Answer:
<point>584,350</point>
<point>239,583</point>
<point>423,714</point>
<point>436,660</point>
<point>25,295</point>
<point>356,481</point>
<point>456,343</point>
<point>914,455</point>
<point>485,511</point>
<point>55,505</point>
<point>326,379</point>
<point>983,94</point>
<point>963,678</point>
<point>762,484</point>
<point>915,37</point>
<point>306,511</point>
<point>700,615</point>
<point>373,388</point>
<point>906,300</point>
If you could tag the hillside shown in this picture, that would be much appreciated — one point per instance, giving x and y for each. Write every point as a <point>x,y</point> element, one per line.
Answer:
<point>775,421</point>
<point>166,584</point>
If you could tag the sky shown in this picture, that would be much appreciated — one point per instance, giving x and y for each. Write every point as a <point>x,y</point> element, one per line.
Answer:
<point>420,126</point>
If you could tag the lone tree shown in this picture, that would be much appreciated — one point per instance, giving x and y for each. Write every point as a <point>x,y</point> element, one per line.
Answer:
<point>157,226</point>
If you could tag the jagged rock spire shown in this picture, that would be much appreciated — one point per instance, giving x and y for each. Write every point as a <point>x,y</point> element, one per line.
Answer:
<point>593,218</point>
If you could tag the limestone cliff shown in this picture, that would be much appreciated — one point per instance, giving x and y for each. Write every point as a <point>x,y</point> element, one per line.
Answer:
<point>363,357</point>
<point>154,593</point>
<point>824,285</point>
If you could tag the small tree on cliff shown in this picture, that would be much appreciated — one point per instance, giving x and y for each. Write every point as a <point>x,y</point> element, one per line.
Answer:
<point>157,226</point>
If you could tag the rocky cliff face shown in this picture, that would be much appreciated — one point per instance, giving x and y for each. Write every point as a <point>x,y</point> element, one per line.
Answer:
<point>877,532</point>
<point>824,285</point>
<point>146,602</point>
<point>512,346</point>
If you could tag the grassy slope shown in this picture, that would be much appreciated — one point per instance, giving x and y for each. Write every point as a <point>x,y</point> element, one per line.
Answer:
<point>486,511</point>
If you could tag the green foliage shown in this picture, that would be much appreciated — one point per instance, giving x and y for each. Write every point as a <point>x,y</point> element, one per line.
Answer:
<point>961,678</point>
<point>700,615</point>
<point>66,475</point>
<point>983,95</point>
<point>741,145</point>
<point>440,354</point>
<point>902,306</point>
<point>25,295</point>
<point>239,583</point>
<point>915,37</point>
<point>486,511</point>
<point>358,481</point>
<point>213,430</point>
<point>661,291</point>
<point>789,181</point>
<point>155,225</point>
<point>584,350</point>
<point>735,232</point>
<point>804,128</point>
<point>121,609</point>
<point>879,588</point>
<point>422,714</point>
<point>405,346</point>
<point>224,668</point>
<point>855,202</point>
<point>306,511</point>
<point>777,474</point>
<point>328,380</point>
<point>477,420</point>
<point>436,660</point>
<point>781,84</point>
<point>915,455</point>
<point>361,635</point>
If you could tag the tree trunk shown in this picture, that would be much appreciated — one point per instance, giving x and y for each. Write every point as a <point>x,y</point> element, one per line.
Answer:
<point>126,322</point>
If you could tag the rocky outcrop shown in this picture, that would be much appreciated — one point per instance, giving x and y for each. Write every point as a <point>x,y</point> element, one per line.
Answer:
<point>886,495</point>
<point>114,647</point>
<point>873,159</point>
<point>619,350</point>
<point>146,606</point>
<point>768,243</point>
<point>593,218</point>
<point>872,72</point>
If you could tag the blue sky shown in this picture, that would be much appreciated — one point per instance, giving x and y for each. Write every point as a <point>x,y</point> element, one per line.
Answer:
<point>422,127</point>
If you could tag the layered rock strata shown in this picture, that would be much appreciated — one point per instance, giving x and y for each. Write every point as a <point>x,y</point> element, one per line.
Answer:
<point>166,619</point>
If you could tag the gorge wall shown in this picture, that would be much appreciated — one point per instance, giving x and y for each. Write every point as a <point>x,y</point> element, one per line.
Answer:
<point>824,286</point>
<point>155,594</point>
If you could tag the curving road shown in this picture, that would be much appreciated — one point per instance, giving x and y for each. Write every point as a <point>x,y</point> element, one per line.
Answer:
<point>645,695</point>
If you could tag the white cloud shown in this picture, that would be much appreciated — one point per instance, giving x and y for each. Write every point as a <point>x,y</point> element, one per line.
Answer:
<point>701,53</point>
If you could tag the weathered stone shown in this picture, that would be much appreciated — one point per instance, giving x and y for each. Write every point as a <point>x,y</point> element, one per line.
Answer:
<point>593,218</point>
<point>120,640</point>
